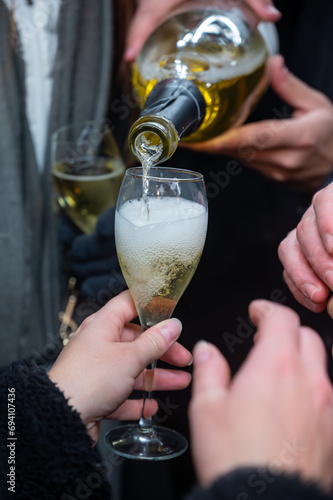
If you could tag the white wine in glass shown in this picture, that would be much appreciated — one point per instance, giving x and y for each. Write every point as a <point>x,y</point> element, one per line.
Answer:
<point>87,171</point>
<point>159,240</point>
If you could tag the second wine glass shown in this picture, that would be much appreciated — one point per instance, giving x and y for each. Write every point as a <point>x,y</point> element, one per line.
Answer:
<point>87,171</point>
<point>159,241</point>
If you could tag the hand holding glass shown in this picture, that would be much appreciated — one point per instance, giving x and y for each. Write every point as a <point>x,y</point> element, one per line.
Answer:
<point>159,245</point>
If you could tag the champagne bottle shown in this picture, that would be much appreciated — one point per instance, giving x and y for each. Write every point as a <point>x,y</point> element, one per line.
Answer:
<point>198,75</point>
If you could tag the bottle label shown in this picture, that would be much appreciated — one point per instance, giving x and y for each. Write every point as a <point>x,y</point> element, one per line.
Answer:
<point>180,101</point>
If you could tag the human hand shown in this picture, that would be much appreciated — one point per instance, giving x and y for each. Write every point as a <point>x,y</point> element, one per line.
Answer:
<point>297,150</point>
<point>307,254</point>
<point>92,257</point>
<point>277,412</point>
<point>103,363</point>
<point>150,13</point>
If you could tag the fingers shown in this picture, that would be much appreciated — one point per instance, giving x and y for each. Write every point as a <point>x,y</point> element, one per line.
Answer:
<point>140,29</point>
<point>329,308</point>
<point>301,298</point>
<point>314,357</point>
<point>282,341</point>
<point>249,141</point>
<point>166,380</point>
<point>306,254</point>
<point>132,410</point>
<point>300,274</point>
<point>177,355</point>
<point>118,311</point>
<point>211,380</point>
<point>292,90</point>
<point>149,14</point>
<point>323,208</point>
<point>211,372</point>
<point>265,9</point>
<point>278,328</point>
<point>313,352</point>
<point>154,343</point>
<point>313,248</point>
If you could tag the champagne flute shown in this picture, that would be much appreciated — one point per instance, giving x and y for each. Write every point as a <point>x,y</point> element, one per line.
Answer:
<point>87,171</point>
<point>159,240</point>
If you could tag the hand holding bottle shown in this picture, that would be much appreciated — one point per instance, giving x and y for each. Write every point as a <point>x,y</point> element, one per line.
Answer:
<point>199,74</point>
<point>150,13</point>
<point>296,149</point>
<point>277,412</point>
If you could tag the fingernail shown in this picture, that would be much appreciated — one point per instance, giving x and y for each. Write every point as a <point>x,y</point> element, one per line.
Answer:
<point>328,278</point>
<point>128,55</point>
<point>328,242</point>
<point>170,329</point>
<point>284,68</point>
<point>271,9</point>
<point>201,352</point>
<point>309,290</point>
<point>191,361</point>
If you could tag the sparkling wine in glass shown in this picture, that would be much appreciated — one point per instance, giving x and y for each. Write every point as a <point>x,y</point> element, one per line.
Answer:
<point>159,240</point>
<point>87,171</point>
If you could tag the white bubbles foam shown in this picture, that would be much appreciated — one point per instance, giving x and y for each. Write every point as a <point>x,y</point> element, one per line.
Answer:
<point>176,230</point>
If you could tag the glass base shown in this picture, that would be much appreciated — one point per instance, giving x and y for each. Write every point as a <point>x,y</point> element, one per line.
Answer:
<point>158,443</point>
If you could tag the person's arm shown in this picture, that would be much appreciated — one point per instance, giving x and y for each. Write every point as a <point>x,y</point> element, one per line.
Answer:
<point>57,415</point>
<point>46,450</point>
<point>307,254</point>
<point>272,424</point>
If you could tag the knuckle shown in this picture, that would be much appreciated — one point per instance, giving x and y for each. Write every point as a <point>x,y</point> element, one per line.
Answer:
<point>303,226</point>
<point>323,392</point>
<point>292,317</point>
<point>308,141</point>
<point>154,343</point>
<point>319,197</point>
<point>207,401</point>
<point>283,248</point>
<point>286,364</point>
<point>89,320</point>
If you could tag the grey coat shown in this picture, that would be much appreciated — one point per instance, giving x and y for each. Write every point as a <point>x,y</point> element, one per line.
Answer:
<point>29,274</point>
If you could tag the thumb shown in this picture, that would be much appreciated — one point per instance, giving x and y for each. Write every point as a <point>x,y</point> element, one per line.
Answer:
<point>156,341</point>
<point>211,371</point>
<point>144,22</point>
<point>292,90</point>
<point>265,9</point>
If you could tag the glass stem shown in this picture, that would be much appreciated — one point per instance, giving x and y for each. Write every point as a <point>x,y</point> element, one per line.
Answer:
<point>146,423</point>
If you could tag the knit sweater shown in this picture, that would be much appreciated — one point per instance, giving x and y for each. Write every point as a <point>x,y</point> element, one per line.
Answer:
<point>45,441</point>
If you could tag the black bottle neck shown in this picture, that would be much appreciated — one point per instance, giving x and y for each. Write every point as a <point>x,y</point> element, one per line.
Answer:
<point>179,101</point>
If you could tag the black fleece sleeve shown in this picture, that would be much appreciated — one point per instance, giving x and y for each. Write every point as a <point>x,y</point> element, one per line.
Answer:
<point>44,441</point>
<point>258,484</point>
